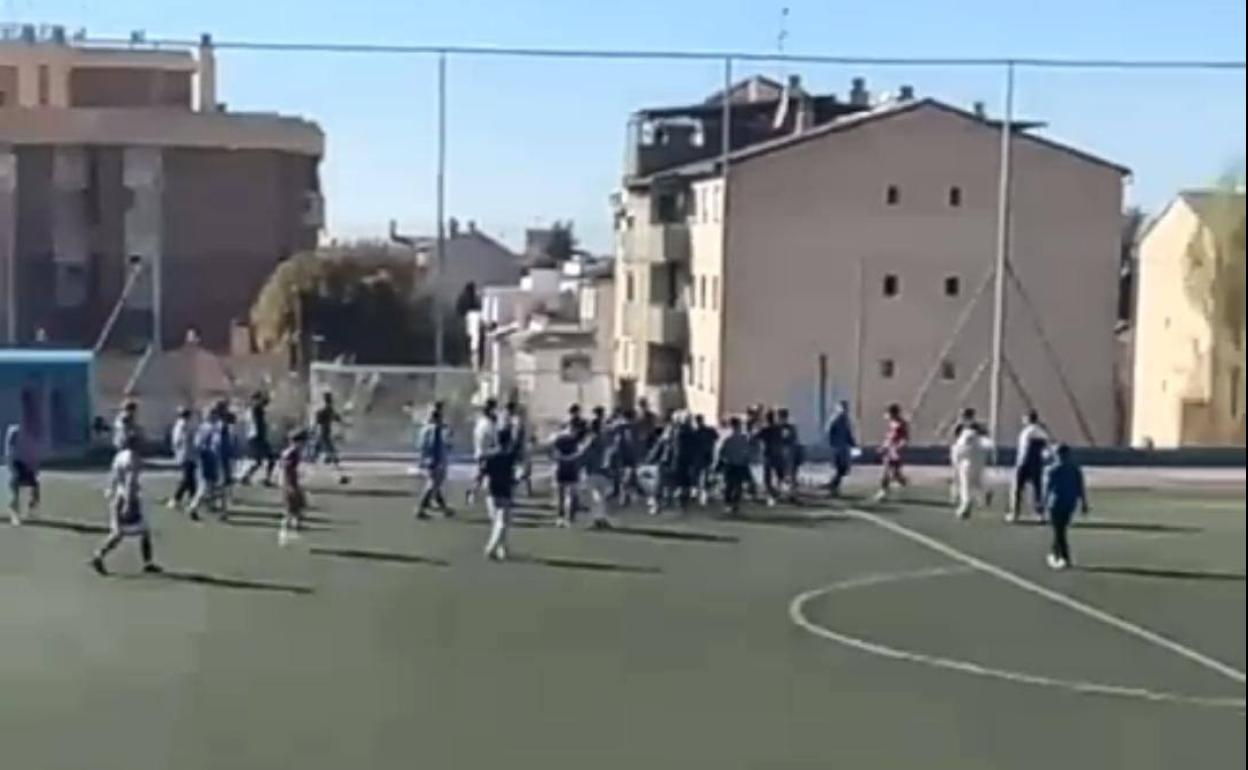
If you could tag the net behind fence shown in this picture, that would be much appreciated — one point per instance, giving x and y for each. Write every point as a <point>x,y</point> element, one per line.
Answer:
<point>383,407</point>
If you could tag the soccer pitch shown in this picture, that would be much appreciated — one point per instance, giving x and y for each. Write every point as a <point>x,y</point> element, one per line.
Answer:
<point>816,636</point>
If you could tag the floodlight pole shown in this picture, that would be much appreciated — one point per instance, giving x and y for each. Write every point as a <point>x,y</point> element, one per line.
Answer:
<point>1004,201</point>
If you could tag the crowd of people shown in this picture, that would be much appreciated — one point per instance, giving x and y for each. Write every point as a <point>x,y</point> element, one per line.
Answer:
<point>599,462</point>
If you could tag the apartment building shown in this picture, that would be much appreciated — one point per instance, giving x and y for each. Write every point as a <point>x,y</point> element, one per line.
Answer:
<point>1189,363</point>
<point>112,158</point>
<point>849,256</point>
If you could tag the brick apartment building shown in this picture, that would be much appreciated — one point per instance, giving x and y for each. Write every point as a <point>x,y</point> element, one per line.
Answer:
<point>116,157</point>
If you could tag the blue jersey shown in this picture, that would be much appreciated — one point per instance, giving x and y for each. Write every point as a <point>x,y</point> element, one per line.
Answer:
<point>1064,488</point>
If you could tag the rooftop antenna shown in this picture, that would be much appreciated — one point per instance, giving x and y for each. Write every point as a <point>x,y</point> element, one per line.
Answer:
<point>782,37</point>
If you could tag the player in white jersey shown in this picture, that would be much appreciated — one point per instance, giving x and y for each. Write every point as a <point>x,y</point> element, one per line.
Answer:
<point>125,507</point>
<point>969,456</point>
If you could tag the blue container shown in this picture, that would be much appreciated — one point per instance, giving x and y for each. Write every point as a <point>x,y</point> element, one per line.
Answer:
<point>50,394</point>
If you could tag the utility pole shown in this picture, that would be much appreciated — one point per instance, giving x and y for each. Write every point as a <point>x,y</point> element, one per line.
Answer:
<point>439,349</point>
<point>1004,201</point>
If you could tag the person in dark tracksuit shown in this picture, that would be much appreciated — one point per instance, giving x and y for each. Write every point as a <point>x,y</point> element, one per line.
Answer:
<point>841,440</point>
<point>733,456</point>
<point>1033,447</point>
<point>258,445</point>
<point>1065,490</point>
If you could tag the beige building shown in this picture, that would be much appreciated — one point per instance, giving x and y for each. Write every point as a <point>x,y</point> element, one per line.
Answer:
<point>1189,372</point>
<point>112,157</point>
<point>850,257</point>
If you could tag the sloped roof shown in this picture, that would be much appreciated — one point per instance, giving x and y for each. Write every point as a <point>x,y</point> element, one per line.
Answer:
<point>1212,204</point>
<point>857,120</point>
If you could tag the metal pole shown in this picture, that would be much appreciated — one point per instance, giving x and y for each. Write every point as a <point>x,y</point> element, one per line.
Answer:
<point>158,310</point>
<point>860,333</point>
<point>1004,200</point>
<point>439,350</point>
<point>725,152</point>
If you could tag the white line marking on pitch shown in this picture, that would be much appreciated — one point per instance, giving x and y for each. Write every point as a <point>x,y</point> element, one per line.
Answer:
<point>1226,670</point>
<point>797,613</point>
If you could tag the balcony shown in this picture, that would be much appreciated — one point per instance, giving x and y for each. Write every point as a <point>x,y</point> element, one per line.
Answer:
<point>668,243</point>
<point>667,326</point>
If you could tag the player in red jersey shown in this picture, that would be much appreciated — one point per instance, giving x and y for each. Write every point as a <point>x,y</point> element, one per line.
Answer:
<point>896,438</point>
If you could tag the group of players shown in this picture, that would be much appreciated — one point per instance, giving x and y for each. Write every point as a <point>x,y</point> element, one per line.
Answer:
<point>682,459</point>
<point>598,461</point>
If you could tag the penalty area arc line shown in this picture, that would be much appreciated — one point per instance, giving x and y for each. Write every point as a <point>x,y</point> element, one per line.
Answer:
<point>1056,597</point>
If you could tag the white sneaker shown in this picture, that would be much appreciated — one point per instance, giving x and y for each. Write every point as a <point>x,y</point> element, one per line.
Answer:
<point>1011,518</point>
<point>15,519</point>
<point>879,497</point>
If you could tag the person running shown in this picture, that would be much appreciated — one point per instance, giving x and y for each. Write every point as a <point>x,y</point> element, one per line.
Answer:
<point>769,438</point>
<point>1065,490</point>
<point>294,500</point>
<point>227,451</point>
<point>182,442</point>
<point>520,440</point>
<point>500,479</point>
<point>595,470</point>
<point>753,424</point>
<point>841,440</point>
<point>126,508</point>
<point>705,438</point>
<point>434,451</point>
<point>22,455</point>
<point>1033,449</point>
<point>566,453</point>
<point>791,454</point>
<point>969,456</point>
<point>208,483</point>
<point>484,445</point>
<point>968,419</point>
<point>892,452</point>
<point>647,427</point>
<point>733,456</point>
<point>324,448</point>
<point>126,424</point>
<point>258,445</point>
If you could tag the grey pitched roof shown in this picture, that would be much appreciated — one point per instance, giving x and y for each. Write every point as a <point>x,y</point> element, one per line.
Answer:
<point>857,120</point>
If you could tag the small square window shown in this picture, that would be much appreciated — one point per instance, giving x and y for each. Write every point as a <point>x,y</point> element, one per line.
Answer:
<point>888,368</point>
<point>953,286</point>
<point>955,196</point>
<point>892,196</point>
<point>892,285</point>
<point>948,370</point>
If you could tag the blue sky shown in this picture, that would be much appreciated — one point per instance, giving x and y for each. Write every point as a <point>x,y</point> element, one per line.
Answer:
<point>537,140</point>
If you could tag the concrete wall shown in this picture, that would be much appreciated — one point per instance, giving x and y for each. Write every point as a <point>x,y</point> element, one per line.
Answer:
<point>229,217</point>
<point>128,87</point>
<point>804,221</point>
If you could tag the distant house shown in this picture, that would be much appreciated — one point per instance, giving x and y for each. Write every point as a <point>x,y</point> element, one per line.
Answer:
<point>1189,372</point>
<point>471,257</point>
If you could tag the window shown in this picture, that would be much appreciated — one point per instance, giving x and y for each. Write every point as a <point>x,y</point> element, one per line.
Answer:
<point>955,196</point>
<point>948,370</point>
<point>45,85</point>
<point>892,196</point>
<point>892,285</point>
<point>1237,384</point>
<point>715,292</point>
<point>710,376</point>
<point>702,205</point>
<point>953,286</point>
<point>888,368</point>
<point>701,372</point>
<point>630,289</point>
<point>702,292</point>
<point>715,203</point>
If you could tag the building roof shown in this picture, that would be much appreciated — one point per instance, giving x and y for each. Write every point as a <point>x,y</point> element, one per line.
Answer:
<point>857,120</point>
<point>1210,204</point>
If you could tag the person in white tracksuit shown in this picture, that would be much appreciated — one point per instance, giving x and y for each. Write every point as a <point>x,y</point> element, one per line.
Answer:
<point>969,456</point>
